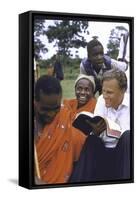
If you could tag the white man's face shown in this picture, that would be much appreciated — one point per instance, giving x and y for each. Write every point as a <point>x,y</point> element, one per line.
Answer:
<point>112,93</point>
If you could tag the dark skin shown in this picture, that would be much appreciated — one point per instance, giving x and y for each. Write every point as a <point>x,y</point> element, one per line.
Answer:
<point>97,57</point>
<point>83,91</point>
<point>46,110</point>
<point>47,107</point>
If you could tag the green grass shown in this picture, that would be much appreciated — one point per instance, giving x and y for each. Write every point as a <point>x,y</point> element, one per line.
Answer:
<point>68,88</point>
<point>70,75</point>
<point>43,71</point>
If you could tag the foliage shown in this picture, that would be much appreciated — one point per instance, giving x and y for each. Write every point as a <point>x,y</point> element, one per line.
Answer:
<point>71,71</point>
<point>39,29</point>
<point>67,34</point>
<point>114,41</point>
<point>68,88</point>
<point>70,68</point>
<point>44,63</point>
<point>69,64</point>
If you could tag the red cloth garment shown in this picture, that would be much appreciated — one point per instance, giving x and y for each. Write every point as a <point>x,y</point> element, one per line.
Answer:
<point>72,105</point>
<point>58,147</point>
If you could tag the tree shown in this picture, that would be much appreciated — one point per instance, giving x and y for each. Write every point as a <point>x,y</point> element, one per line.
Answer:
<point>67,34</point>
<point>39,29</point>
<point>114,41</point>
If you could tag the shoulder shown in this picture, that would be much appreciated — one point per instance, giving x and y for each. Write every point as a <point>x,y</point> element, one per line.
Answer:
<point>85,61</point>
<point>100,107</point>
<point>119,64</point>
<point>126,100</point>
<point>107,61</point>
<point>107,58</point>
<point>82,66</point>
<point>69,102</point>
<point>100,102</point>
<point>92,103</point>
<point>100,99</point>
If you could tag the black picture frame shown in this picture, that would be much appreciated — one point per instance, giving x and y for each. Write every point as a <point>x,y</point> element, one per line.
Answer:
<point>26,92</point>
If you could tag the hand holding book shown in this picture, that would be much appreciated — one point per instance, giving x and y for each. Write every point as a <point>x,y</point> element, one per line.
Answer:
<point>99,127</point>
<point>87,123</point>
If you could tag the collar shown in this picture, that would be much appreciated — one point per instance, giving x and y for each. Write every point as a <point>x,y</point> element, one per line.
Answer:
<point>125,102</point>
<point>126,99</point>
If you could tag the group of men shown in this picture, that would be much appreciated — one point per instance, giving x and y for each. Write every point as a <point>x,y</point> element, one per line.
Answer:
<point>64,153</point>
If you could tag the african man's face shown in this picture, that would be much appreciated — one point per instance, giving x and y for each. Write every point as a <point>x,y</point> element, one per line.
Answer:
<point>47,107</point>
<point>96,56</point>
<point>83,91</point>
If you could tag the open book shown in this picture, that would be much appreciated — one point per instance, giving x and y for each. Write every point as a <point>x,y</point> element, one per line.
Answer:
<point>88,123</point>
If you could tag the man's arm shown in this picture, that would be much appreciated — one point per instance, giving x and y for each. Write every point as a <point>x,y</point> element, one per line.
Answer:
<point>119,64</point>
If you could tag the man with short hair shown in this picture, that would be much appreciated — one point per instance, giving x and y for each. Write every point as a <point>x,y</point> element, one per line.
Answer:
<point>57,143</point>
<point>97,63</point>
<point>105,157</point>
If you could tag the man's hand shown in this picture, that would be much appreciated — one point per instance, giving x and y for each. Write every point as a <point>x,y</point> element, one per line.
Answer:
<point>99,127</point>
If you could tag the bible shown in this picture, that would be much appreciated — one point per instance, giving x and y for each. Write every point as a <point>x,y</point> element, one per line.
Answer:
<point>90,124</point>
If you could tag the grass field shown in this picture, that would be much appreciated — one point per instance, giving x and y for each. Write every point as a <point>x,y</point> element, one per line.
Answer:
<point>68,82</point>
<point>68,88</point>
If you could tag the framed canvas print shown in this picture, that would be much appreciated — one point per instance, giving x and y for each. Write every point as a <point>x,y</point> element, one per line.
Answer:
<point>76,99</point>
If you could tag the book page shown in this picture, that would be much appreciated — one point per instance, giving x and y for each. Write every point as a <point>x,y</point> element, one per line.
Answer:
<point>87,123</point>
<point>85,113</point>
<point>113,129</point>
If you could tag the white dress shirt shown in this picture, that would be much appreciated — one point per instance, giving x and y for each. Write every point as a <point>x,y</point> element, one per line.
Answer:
<point>121,116</point>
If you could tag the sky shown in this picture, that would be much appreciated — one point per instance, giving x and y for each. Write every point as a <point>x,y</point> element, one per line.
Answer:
<point>100,29</point>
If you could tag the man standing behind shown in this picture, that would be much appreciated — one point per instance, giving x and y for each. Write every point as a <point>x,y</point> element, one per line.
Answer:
<point>58,70</point>
<point>97,63</point>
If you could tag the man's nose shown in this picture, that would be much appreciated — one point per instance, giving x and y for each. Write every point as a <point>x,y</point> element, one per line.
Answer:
<point>82,91</point>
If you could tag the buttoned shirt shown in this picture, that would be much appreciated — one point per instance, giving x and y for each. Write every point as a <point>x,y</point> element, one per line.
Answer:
<point>121,116</point>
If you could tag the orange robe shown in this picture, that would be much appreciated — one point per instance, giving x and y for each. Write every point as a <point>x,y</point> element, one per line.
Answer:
<point>72,105</point>
<point>58,147</point>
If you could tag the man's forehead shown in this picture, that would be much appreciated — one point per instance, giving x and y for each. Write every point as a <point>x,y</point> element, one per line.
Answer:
<point>83,83</point>
<point>52,98</point>
<point>83,80</point>
<point>111,83</point>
